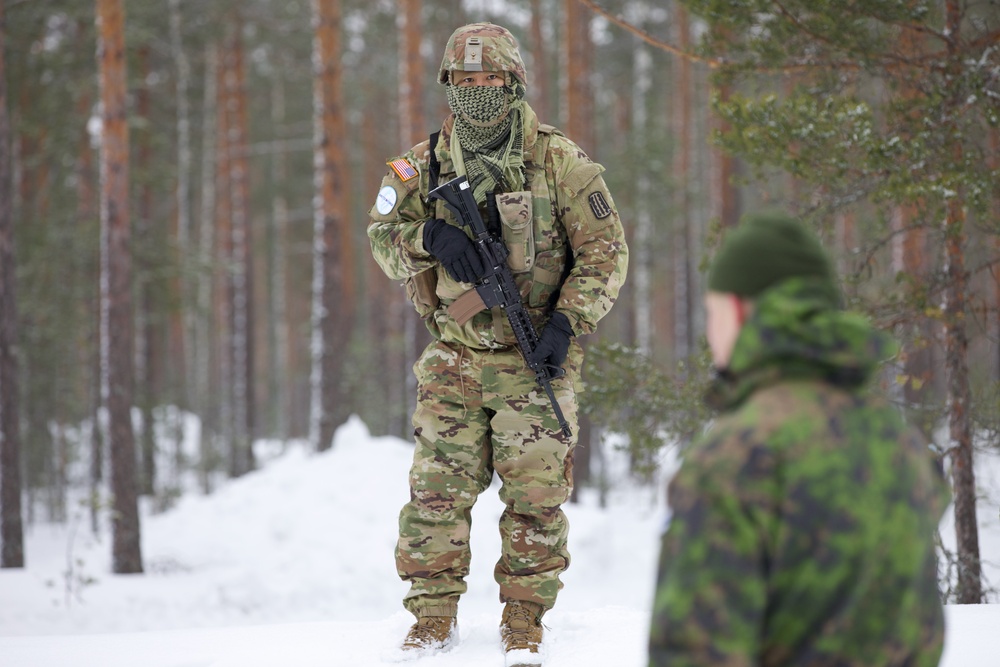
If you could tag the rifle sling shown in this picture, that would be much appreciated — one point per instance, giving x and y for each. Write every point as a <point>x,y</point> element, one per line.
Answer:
<point>434,173</point>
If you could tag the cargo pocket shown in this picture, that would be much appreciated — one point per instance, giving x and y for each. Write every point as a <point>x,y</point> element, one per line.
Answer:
<point>518,231</point>
<point>421,290</point>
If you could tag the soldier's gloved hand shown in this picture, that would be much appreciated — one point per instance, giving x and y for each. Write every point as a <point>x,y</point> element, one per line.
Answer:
<point>454,249</point>
<point>553,342</point>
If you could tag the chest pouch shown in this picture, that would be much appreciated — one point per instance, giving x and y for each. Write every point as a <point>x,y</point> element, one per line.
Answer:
<point>517,223</point>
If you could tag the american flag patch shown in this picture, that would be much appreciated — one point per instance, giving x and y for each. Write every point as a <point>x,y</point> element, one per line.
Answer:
<point>403,169</point>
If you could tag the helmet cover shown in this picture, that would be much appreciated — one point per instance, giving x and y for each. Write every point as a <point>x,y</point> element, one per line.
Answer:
<point>482,47</point>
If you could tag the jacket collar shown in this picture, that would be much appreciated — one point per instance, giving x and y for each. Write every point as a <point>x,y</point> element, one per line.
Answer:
<point>798,331</point>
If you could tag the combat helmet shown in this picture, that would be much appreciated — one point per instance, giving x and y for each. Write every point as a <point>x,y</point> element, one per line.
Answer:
<point>479,47</point>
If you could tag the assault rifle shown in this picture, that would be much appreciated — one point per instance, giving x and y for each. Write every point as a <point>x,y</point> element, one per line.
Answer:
<point>497,286</point>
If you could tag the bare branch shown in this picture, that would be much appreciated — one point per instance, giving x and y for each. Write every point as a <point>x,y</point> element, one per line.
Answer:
<point>985,40</point>
<point>649,39</point>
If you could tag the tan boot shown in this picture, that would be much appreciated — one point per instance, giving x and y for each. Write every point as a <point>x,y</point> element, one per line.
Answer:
<point>430,635</point>
<point>521,633</point>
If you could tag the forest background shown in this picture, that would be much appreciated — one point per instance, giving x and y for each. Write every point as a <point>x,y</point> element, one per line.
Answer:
<point>220,268</point>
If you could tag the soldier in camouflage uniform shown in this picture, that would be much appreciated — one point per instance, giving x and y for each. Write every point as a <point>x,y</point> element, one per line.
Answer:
<point>479,408</point>
<point>803,521</point>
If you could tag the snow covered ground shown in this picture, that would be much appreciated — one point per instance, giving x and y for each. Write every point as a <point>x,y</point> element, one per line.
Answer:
<point>293,565</point>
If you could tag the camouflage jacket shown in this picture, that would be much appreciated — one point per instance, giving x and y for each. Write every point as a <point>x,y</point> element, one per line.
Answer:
<point>567,246</point>
<point>803,521</point>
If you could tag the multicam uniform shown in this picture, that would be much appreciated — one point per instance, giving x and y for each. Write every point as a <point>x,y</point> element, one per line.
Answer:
<point>802,527</point>
<point>479,408</point>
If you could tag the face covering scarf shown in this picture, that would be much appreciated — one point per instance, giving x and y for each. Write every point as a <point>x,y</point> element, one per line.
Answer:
<point>489,137</point>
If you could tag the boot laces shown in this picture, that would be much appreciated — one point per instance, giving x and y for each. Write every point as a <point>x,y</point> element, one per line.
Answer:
<point>522,615</point>
<point>520,622</point>
<point>425,631</point>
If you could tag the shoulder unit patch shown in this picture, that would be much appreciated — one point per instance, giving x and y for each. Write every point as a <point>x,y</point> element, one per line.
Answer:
<point>599,205</point>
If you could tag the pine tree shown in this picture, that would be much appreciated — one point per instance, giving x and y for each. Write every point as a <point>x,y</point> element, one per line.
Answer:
<point>332,306</point>
<point>920,146</point>
<point>11,530</point>
<point>116,269</point>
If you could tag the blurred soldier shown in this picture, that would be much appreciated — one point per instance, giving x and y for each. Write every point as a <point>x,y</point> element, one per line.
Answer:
<point>803,521</point>
<point>479,409</point>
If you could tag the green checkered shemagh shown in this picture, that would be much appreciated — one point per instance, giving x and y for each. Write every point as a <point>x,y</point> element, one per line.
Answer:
<point>488,126</point>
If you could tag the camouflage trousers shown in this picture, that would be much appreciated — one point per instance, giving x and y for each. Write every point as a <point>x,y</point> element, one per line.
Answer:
<point>479,412</point>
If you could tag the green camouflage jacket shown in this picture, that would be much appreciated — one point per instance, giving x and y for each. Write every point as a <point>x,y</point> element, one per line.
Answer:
<point>803,521</point>
<point>567,246</point>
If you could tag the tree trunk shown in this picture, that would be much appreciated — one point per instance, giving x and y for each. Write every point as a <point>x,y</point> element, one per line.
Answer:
<point>116,298</point>
<point>910,254</point>
<point>280,376</point>
<point>204,340</point>
<point>995,165</point>
<point>184,224</point>
<point>413,127</point>
<point>956,344</point>
<point>539,91</point>
<point>846,223</point>
<point>725,193</point>
<point>959,402</point>
<point>684,257</point>
<point>331,307</point>
<point>382,359</point>
<point>576,79</point>
<point>642,81</point>
<point>97,431</point>
<point>223,372</point>
<point>11,529</point>
<point>909,257</point>
<point>97,425</point>
<point>86,215</point>
<point>146,358</point>
<point>240,268</point>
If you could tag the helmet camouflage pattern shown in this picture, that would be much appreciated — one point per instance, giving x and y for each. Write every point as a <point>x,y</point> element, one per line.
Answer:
<point>483,47</point>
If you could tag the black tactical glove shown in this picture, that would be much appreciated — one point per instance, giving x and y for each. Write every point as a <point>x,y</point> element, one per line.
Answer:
<point>454,249</point>
<point>553,342</point>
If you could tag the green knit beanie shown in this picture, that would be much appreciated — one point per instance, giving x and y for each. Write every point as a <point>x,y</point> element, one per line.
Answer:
<point>765,249</point>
